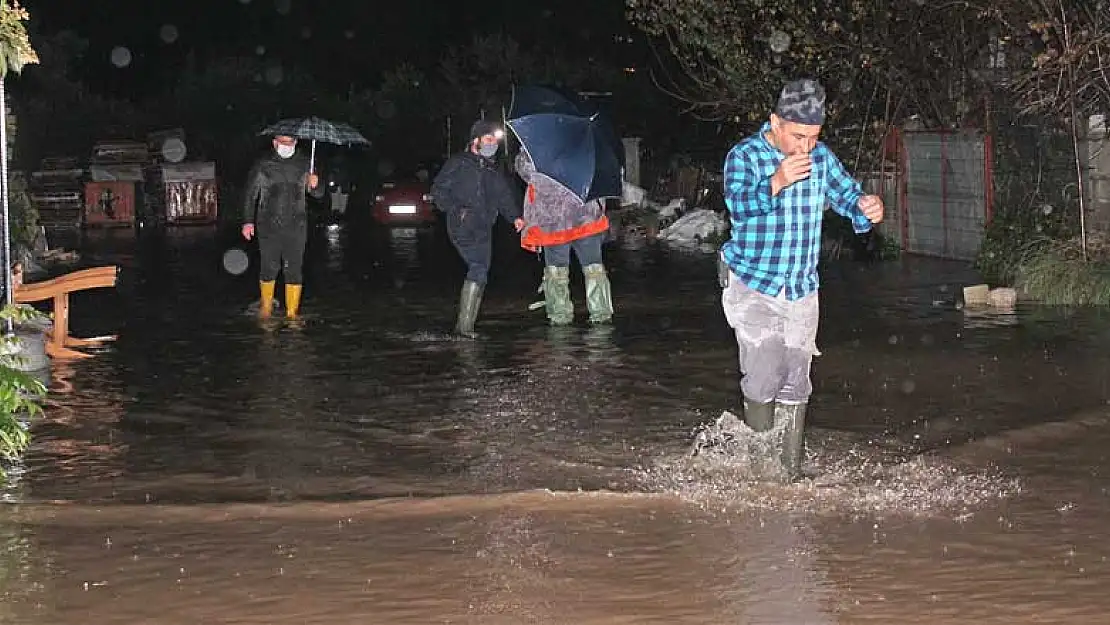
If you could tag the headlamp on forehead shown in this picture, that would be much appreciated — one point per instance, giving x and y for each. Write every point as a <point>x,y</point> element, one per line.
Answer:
<point>499,134</point>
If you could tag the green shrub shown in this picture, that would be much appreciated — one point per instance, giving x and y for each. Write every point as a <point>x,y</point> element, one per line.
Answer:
<point>24,214</point>
<point>20,393</point>
<point>1054,272</point>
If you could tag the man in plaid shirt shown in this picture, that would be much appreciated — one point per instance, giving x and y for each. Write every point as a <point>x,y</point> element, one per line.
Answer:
<point>778,184</point>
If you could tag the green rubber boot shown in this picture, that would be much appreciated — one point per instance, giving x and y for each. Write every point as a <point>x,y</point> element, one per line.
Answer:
<point>470,300</point>
<point>556,295</point>
<point>599,293</point>
<point>759,417</point>
<point>793,438</point>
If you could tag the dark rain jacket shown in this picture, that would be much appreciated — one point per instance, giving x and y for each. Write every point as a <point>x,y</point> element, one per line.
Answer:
<point>275,196</point>
<point>471,190</point>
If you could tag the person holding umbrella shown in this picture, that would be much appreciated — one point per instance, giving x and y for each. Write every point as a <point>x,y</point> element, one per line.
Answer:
<point>572,161</point>
<point>558,222</point>
<point>472,191</point>
<point>274,210</point>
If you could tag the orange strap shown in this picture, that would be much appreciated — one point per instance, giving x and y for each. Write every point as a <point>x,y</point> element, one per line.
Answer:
<point>533,238</point>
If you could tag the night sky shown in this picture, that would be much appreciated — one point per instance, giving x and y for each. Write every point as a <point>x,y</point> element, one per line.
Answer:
<point>343,42</point>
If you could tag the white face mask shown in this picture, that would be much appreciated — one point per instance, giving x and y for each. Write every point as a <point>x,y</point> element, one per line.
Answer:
<point>488,149</point>
<point>285,151</point>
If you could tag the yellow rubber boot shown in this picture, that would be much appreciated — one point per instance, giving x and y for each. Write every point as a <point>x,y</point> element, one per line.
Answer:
<point>266,301</point>
<point>292,300</point>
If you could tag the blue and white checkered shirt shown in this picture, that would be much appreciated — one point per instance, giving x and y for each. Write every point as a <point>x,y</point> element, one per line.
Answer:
<point>776,240</point>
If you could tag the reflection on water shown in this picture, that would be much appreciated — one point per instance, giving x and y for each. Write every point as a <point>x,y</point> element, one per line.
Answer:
<point>367,467</point>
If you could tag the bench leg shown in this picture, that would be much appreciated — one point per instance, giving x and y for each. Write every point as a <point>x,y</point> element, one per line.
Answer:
<point>61,320</point>
<point>61,352</point>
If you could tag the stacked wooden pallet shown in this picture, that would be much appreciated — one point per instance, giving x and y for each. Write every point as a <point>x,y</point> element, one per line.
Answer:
<point>56,190</point>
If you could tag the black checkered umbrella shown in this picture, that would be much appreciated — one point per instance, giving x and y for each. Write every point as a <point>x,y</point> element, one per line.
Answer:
<point>316,129</point>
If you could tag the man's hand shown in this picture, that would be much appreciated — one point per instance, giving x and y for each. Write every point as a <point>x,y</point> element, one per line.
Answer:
<point>791,169</point>
<point>872,208</point>
<point>313,181</point>
<point>248,231</point>
<point>518,223</point>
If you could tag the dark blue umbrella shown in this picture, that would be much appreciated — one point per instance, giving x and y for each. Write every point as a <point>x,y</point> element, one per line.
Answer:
<point>567,142</point>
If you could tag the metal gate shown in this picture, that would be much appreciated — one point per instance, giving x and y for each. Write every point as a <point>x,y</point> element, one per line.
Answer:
<point>939,195</point>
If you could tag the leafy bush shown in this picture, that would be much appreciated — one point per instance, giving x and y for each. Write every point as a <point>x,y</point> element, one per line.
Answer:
<point>20,392</point>
<point>24,214</point>
<point>1054,272</point>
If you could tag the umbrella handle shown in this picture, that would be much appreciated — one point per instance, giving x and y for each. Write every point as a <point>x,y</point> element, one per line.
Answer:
<point>312,159</point>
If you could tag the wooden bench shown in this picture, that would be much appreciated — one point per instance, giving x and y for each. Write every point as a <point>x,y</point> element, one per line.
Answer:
<point>59,342</point>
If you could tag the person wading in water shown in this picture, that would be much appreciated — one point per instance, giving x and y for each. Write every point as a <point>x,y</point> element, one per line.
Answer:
<point>777,184</point>
<point>275,212</point>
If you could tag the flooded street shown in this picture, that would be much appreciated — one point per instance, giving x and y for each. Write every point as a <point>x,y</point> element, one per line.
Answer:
<point>367,468</point>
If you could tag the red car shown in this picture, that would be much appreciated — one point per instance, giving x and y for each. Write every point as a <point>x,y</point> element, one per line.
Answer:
<point>404,202</point>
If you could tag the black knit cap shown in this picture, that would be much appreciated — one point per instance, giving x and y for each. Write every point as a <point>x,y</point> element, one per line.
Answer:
<point>802,102</point>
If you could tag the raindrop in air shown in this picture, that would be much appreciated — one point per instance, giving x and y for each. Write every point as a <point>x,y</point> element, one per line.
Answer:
<point>386,109</point>
<point>385,168</point>
<point>908,386</point>
<point>244,1</point>
<point>349,34</point>
<point>121,56</point>
<point>306,33</point>
<point>274,75</point>
<point>779,42</point>
<point>283,6</point>
<point>168,33</point>
<point>260,50</point>
<point>173,150</point>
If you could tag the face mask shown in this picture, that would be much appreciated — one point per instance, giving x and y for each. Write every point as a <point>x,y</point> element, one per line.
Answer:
<point>488,150</point>
<point>285,151</point>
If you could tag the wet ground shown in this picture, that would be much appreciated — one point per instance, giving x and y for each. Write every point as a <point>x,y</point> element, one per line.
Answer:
<point>365,468</point>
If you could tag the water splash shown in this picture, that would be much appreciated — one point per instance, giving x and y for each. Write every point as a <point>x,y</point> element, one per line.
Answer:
<point>730,440</point>
<point>734,467</point>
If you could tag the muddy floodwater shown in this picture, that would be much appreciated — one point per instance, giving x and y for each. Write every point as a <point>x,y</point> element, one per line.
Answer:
<point>366,468</point>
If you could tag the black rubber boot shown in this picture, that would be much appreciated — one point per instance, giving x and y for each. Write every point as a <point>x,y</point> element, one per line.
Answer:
<point>759,417</point>
<point>470,300</point>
